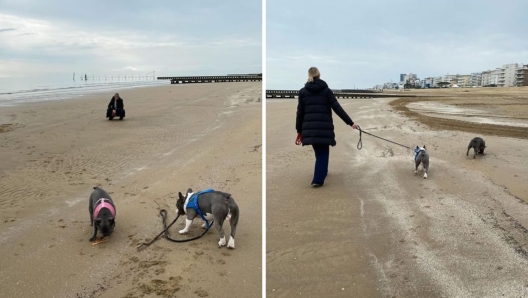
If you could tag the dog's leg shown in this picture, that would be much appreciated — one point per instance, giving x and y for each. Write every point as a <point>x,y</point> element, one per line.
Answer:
<point>467,153</point>
<point>91,219</point>
<point>475,150</point>
<point>231,243</point>
<point>94,233</point>
<point>219,222</point>
<point>235,214</point>
<point>425,165</point>
<point>416,164</point>
<point>208,217</point>
<point>188,223</point>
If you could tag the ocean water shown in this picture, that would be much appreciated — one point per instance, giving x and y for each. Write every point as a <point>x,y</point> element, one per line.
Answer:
<point>14,91</point>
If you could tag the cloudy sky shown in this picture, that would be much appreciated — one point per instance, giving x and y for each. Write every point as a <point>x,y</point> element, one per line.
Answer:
<point>363,43</point>
<point>130,37</point>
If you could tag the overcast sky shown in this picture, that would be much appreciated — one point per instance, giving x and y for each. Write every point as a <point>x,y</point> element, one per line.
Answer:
<point>130,37</point>
<point>364,43</point>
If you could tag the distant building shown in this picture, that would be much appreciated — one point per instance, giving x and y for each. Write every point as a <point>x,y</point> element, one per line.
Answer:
<point>408,78</point>
<point>490,78</point>
<point>462,80</point>
<point>451,79</point>
<point>521,76</point>
<point>475,79</point>
<point>507,75</point>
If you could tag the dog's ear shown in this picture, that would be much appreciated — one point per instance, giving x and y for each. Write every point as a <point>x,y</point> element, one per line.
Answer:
<point>424,146</point>
<point>180,195</point>
<point>189,190</point>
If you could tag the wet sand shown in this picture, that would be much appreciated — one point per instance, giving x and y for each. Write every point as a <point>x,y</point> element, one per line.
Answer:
<point>173,138</point>
<point>375,229</point>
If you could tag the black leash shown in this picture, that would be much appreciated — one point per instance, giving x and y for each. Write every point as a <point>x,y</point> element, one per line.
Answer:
<point>165,231</point>
<point>360,143</point>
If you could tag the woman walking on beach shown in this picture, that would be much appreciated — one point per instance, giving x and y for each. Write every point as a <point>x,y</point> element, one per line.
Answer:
<point>314,122</point>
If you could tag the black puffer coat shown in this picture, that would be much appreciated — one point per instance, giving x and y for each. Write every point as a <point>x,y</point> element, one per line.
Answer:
<point>314,114</point>
<point>116,104</point>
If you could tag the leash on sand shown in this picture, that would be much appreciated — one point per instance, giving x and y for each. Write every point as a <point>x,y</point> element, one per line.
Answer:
<point>165,231</point>
<point>360,142</point>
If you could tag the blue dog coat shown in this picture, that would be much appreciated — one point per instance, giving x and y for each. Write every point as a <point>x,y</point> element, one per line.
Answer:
<point>193,203</point>
<point>417,150</point>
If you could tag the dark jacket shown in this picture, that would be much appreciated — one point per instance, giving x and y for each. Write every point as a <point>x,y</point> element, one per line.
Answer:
<point>119,103</point>
<point>314,114</point>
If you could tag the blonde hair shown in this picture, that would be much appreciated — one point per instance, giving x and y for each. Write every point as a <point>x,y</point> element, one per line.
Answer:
<point>313,73</point>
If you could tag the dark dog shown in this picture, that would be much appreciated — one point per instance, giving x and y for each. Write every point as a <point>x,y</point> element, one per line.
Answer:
<point>102,213</point>
<point>212,205</point>
<point>421,157</point>
<point>478,146</point>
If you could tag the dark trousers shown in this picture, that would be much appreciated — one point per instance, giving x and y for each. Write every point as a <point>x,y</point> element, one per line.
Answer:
<point>119,113</point>
<point>322,156</point>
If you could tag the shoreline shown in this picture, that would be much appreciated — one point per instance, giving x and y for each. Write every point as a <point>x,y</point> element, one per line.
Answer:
<point>62,93</point>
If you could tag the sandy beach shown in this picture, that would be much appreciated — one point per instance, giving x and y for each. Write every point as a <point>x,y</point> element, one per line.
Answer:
<point>174,137</point>
<point>375,229</point>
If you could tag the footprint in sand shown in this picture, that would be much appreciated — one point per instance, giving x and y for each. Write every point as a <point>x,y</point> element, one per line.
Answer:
<point>201,293</point>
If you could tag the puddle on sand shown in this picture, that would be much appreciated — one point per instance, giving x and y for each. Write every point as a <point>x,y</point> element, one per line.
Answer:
<point>439,110</point>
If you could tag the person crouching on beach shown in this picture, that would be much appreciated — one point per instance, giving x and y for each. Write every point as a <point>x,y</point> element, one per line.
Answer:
<point>116,107</point>
<point>314,122</point>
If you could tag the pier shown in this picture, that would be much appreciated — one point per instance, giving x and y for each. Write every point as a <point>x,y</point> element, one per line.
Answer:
<point>352,93</point>
<point>213,79</point>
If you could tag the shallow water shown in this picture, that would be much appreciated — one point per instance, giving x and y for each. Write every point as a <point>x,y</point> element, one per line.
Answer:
<point>14,91</point>
<point>439,110</point>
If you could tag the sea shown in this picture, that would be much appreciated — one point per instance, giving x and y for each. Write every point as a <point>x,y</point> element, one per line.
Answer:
<point>15,91</point>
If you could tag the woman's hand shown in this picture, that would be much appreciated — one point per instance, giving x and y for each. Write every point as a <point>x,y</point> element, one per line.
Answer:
<point>355,126</point>
<point>298,140</point>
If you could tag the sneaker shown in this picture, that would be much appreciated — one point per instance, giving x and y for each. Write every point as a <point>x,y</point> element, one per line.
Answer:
<point>316,185</point>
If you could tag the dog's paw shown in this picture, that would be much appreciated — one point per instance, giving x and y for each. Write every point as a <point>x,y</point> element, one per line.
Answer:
<point>425,176</point>
<point>92,239</point>
<point>184,231</point>
<point>222,242</point>
<point>415,171</point>
<point>231,243</point>
<point>204,225</point>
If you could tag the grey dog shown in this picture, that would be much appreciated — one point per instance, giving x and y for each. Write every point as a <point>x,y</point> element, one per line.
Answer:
<point>478,146</point>
<point>102,212</point>
<point>211,204</point>
<point>421,157</point>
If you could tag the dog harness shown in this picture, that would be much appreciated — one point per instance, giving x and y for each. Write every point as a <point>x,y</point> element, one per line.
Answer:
<point>417,150</point>
<point>105,203</point>
<point>193,203</point>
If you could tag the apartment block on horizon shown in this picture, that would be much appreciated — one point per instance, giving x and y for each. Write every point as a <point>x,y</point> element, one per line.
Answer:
<point>430,82</point>
<point>490,77</point>
<point>507,75</point>
<point>475,79</point>
<point>451,79</point>
<point>521,76</point>
<point>463,80</point>
<point>404,78</point>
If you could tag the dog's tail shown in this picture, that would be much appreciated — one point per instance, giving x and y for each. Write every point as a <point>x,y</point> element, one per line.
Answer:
<point>235,214</point>
<point>233,209</point>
